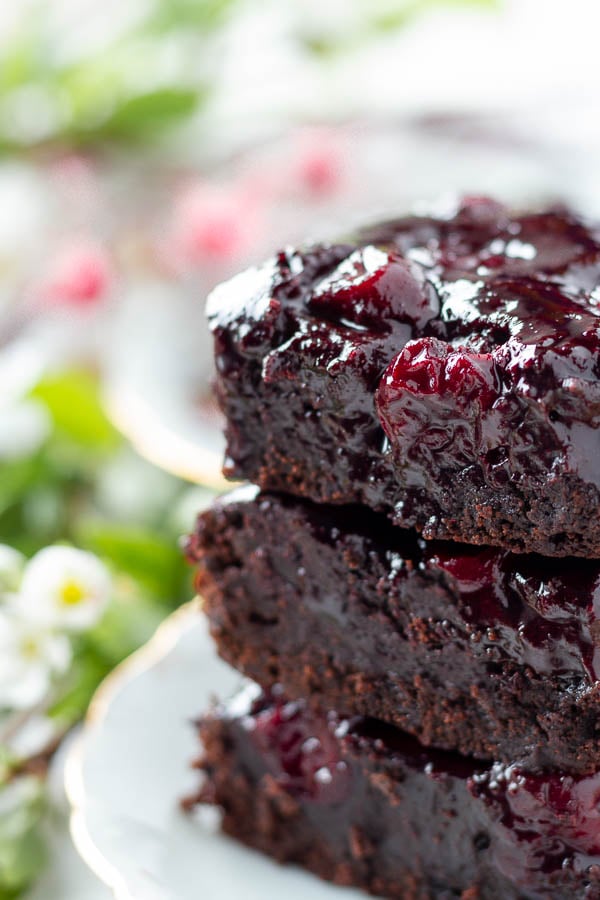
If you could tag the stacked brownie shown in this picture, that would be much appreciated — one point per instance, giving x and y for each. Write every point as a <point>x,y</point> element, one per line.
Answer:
<point>414,583</point>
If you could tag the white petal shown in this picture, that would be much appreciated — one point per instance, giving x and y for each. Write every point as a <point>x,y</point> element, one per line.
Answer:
<point>29,658</point>
<point>24,198</point>
<point>21,367</point>
<point>27,688</point>
<point>56,650</point>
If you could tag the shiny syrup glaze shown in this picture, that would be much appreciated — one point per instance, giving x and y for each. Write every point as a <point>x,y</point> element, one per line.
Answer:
<point>476,332</point>
<point>508,358</point>
<point>542,613</point>
<point>532,824</point>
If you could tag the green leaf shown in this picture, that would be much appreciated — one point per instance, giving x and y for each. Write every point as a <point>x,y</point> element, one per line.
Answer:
<point>128,623</point>
<point>21,861</point>
<point>20,58</point>
<point>379,19</point>
<point>152,560</point>
<point>396,18</point>
<point>73,400</point>
<point>152,111</point>
<point>177,14</point>
<point>22,852</point>
<point>16,479</point>
<point>87,672</point>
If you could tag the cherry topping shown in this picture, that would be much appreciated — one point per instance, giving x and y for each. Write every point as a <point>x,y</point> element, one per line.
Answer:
<point>434,395</point>
<point>549,818</point>
<point>302,751</point>
<point>472,568</point>
<point>536,824</point>
<point>371,287</point>
<point>479,210</point>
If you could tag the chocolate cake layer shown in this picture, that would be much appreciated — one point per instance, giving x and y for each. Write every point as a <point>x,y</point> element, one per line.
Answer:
<point>471,649</point>
<point>360,803</point>
<point>443,369</point>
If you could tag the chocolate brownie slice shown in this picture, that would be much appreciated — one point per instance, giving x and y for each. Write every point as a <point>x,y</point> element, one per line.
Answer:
<point>442,369</point>
<point>360,803</point>
<point>471,649</point>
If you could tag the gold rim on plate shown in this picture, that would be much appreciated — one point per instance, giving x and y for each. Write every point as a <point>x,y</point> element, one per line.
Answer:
<point>162,445</point>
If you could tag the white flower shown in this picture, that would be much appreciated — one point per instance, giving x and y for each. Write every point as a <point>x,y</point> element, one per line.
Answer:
<point>11,569</point>
<point>29,659</point>
<point>64,588</point>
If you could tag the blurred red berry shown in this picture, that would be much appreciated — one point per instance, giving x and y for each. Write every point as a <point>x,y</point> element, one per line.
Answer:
<point>80,274</point>
<point>319,161</point>
<point>214,223</point>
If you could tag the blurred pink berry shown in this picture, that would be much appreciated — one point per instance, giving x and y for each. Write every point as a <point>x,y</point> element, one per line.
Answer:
<point>80,274</point>
<point>214,223</point>
<point>318,163</point>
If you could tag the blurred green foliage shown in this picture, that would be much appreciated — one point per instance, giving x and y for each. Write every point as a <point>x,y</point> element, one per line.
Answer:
<point>152,74</point>
<point>53,497</point>
<point>22,850</point>
<point>146,78</point>
<point>379,17</point>
<point>56,495</point>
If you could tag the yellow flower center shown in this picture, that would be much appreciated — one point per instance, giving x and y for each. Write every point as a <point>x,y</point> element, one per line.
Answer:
<point>30,648</point>
<point>72,593</point>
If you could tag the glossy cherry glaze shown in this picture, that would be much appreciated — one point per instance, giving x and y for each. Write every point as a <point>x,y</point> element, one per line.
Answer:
<point>528,825</point>
<point>459,345</point>
<point>543,613</point>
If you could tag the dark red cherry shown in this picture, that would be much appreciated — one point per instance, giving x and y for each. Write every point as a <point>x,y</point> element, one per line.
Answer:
<point>303,752</point>
<point>429,385</point>
<point>472,568</point>
<point>371,287</point>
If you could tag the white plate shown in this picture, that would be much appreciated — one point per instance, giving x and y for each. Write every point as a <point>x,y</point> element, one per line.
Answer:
<point>131,766</point>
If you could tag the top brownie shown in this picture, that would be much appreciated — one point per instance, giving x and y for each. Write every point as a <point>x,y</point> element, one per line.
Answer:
<point>444,369</point>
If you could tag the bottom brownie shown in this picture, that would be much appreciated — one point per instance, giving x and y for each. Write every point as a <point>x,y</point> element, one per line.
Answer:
<point>361,803</point>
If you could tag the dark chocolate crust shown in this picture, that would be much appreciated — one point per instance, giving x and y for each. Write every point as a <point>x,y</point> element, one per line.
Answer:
<point>470,649</point>
<point>444,370</point>
<point>392,818</point>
